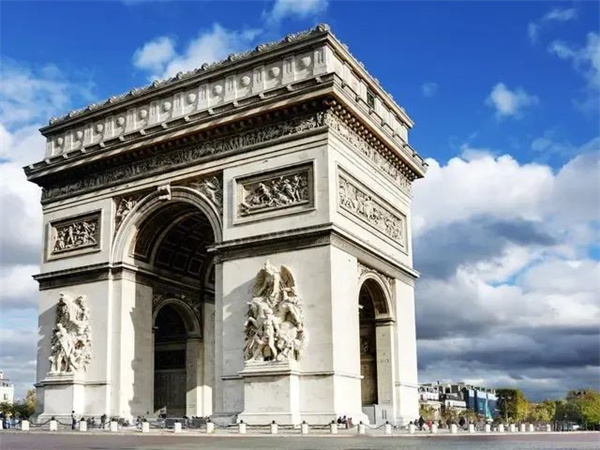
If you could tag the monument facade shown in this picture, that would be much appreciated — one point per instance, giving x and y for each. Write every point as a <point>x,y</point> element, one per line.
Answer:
<point>233,242</point>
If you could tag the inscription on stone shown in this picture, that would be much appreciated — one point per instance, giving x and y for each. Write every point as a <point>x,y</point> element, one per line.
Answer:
<point>76,234</point>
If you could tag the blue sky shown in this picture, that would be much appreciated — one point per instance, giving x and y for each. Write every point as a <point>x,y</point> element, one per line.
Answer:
<point>505,96</point>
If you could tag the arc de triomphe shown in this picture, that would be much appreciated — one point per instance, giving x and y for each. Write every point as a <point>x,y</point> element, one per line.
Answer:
<point>233,242</point>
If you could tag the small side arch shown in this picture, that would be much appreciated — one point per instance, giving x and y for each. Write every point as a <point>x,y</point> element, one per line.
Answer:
<point>380,293</point>
<point>191,321</point>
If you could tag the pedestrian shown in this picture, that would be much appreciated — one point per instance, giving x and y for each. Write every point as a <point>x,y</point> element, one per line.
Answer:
<point>421,423</point>
<point>103,421</point>
<point>73,420</point>
<point>462,422</point>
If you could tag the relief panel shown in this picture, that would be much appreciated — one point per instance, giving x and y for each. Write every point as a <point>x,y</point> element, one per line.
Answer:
<point>287,190</point>
<point>73,236</point>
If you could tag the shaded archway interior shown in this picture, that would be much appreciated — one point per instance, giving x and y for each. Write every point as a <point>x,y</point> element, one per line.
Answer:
<point>170,247</point>
<point>369,307</point>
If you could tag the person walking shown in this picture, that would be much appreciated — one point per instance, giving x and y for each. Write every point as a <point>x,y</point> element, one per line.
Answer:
<point>73,420</point>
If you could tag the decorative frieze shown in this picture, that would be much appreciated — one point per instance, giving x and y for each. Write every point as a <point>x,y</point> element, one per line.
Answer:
<point>71,342</point>
<point>185,155</point>
<point>278,190</point>
<point>370,210</point>
<point>275,328</point>
<point>124,207</point>
<point>395,170</point>
<point>75,234</point>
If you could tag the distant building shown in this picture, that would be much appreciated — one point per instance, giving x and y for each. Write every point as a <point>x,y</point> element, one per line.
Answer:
<point>7,390</point>
<point>459,396</point>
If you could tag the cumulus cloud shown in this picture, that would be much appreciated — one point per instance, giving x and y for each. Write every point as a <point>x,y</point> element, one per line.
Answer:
<point>429,89</point>
<point>160,58</point>
<point>508,294</point>
<point>554,15</point>
<point>299,9</point>
<point>510,103</point>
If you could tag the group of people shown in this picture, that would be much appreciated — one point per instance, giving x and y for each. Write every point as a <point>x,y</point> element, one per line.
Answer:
<point>347,421</point>
<point>421,423</point>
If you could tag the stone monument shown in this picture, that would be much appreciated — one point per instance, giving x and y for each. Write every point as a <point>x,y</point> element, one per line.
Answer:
<point>232,242</point>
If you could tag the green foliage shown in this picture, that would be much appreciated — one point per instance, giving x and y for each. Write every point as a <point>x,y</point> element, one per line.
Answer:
<point>585,406</point>
<point>512,404</point>
<point>427,412</point>
<point>541,412</point>
<point>21,408</point>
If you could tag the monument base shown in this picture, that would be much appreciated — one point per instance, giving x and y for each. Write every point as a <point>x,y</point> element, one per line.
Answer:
<point>62,394</point>
<point>271,393</point>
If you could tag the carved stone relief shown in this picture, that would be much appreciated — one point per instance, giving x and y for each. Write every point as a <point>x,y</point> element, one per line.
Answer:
<point>363,270</point>
<point>71,343</point>
<point>280,190</point>
<point>365,149</point>
<point>210,186</point>
<point>275,327</point>
<point>196,152</point>
<point>75,234</point>
<point>124,207</point>
<point>370,210</point>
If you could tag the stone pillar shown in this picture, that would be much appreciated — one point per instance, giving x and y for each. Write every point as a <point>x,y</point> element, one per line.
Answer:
<point>177,427</point>
<point>145,427</point>
<point>333,428</point>
<point>273,428</point>
<point>387,428</point>
<point>53,425</point>
<point>501,428</point>
<point>210,427</point>
<point>488,428</point>
<point>411,428</point>
<point>194,376</point>
<point>25,425</point>
<point>114,426</point>
<point>471,428</point>
<point>242,427</point>
<point>523,428</point>
<point>453,428</point>
<point>512,428</point>
<point>361,428</point>
<point>433,429</point>
<point>548,428</point>
<point>531,428</point>
<point>82,425</point>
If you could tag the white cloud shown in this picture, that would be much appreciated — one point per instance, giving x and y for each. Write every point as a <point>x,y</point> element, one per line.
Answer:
<point>300,9</point>
<point>29,94</point>
<point>510,103</point>
<point>155,54</point>
<point>429,89</point>
<point>555,15</point>
<point>586,59</point>
<point>160,58</point>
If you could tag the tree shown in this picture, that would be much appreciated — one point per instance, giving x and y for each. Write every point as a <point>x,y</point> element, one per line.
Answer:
<point>512,404</point>
<point>585,406</point>
<point>427,412</point>
<point>542,412</point>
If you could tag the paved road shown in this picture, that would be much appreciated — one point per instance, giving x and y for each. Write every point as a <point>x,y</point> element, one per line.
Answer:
<point>68,441</point>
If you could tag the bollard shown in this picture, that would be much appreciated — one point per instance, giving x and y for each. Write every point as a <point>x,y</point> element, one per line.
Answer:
<point>333,428</point>
<point>304,428</point>
<point>488,428</point>
<point>453,429</point>
<point>273,428</point>
<point>548,428</point>
<point>501,428</point>
<point>242,427</point>
<point>53,425</point>
<point>531,428</point>
<point>24,425</point>
<point>411,428</point>
<point>471,428</point>
<point>82,425</point>
<point>177,427</point>
<point>145,427</point>
<point>433,429</point>
<point>210,427</point>
<point>523,428</point>
<point>387,428</point>
<point>114,426</point>
<point>361,428</point>
<point>512,428</point>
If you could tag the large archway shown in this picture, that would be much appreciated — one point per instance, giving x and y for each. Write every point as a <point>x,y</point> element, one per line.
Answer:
<point>375,335</point>
<point>169,251</point>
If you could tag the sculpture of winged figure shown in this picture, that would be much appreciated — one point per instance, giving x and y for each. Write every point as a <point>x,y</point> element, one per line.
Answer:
<point>275,324</point>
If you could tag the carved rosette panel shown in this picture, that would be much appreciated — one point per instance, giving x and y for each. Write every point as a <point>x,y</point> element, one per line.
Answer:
<point>71,342</point>
<point>275,329</point>
<point>193,153</point>
<point>75,234</point>
<point>371,210</point>
<point>275,191</point>
<point>211,187</point>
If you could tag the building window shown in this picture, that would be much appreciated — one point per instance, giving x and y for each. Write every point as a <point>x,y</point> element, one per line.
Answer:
<point>370,100</point>
<point>5,396</point>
